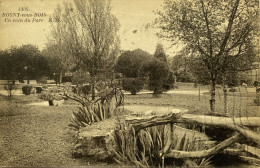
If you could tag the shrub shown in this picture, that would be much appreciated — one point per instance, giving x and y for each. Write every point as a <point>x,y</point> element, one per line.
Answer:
<point>85,89</point>
<point>51,95</point>
<point>80,78</point>
<point>47,95</point>
<point>38,89</point>
<point>42,80</point>
<point>27,89</point>
<point>133,85</point>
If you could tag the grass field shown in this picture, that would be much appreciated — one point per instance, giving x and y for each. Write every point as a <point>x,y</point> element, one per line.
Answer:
<point>240,103</point>
<point>38,135</point>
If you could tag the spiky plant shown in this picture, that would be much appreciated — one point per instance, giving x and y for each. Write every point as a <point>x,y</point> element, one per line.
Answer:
<point>95,111</point>
<point>143,148</point>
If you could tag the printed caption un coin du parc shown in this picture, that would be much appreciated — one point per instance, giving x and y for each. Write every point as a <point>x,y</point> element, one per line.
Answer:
<point>25,16</point>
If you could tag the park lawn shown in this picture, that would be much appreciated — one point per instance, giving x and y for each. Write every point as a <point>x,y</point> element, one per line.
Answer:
<point>237,105</point>
<point>37,136</point>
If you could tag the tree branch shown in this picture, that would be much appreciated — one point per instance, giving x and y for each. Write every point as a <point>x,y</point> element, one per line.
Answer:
<point>228,30</point>
<point>208,29</point>
<point>204,153</point>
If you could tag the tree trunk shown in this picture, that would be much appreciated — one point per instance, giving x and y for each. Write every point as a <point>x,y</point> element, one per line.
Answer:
<point>212,95</point>
<point>225,93</point>
<point>143,122</point>
<point>231,123</point>
<point>60,78</point>
<point>93,94</point>
<point>225,97</point>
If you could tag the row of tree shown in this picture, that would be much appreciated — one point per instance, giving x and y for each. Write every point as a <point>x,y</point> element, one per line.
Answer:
<point>220,38</point>
<point>24,62</point>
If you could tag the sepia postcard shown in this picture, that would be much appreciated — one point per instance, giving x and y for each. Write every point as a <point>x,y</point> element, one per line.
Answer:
<point>133,83</point>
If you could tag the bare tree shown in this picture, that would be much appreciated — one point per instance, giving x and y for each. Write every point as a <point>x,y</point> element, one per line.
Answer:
<point>218,31</point>
<point>87,33</point>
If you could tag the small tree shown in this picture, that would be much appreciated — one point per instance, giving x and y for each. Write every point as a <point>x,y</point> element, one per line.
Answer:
<point>10,87</point>
<point>157,69</point>
<point>130,63</point>
<point>88,35</point>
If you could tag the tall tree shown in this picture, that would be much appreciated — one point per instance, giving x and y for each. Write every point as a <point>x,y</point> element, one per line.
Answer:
<point>160,54</point>
<point>217,31</point>
<point>157,69</point>
<point>88,33</point>
<point>58,60</point>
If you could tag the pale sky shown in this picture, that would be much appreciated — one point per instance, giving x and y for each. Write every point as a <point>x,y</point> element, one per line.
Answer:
<point>132,15</point>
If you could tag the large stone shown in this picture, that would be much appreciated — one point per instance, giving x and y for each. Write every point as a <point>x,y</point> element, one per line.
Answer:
<point>92,139</point>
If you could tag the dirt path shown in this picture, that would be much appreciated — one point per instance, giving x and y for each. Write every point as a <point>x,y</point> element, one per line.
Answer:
<point>37,137</point>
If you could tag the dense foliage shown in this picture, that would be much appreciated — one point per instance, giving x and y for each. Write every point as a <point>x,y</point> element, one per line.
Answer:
<point>27,89</point>
<point>133,85</point>
<point>129,63</point>
<point>14,60</point>
<point>87,37</point>
<point>158,72</point>
<point>144,148</point>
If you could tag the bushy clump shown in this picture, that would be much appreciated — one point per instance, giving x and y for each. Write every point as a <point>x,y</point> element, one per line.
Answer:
<point>46,95</point>
<point>85,90</point>
<point>27,89</point>
<point>42,80</point>
<point>50,95</point>
<point>80,78</point>
<point>38,89</point>
<point>133,85</point>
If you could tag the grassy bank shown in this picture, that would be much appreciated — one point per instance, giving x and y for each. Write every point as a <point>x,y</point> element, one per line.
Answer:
<point>36,136</point>
<point>239,104</point>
